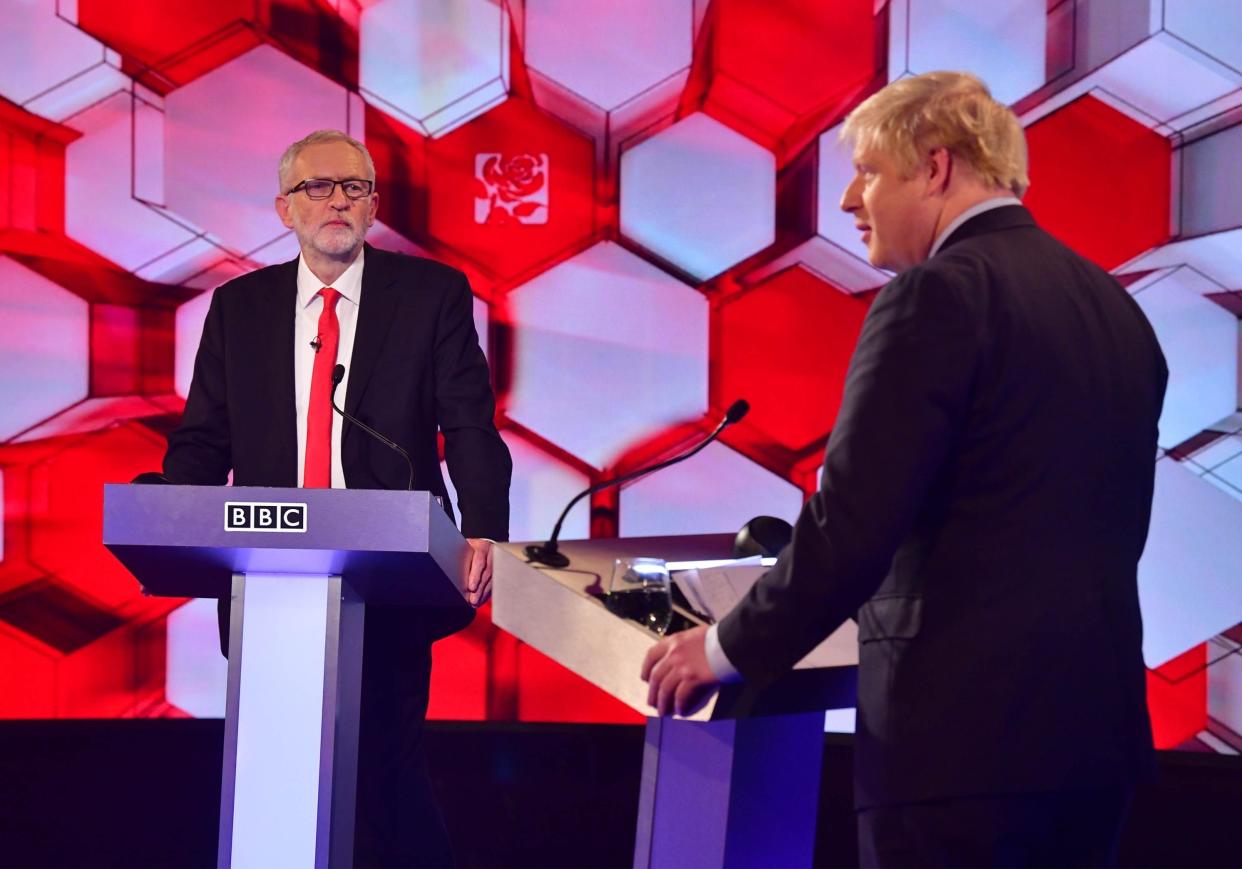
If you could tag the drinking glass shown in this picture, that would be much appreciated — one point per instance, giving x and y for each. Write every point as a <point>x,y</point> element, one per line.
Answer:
<point>639,590</point>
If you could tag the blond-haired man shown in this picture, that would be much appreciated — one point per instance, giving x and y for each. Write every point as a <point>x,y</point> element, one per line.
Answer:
<point>985,499</point>
<point>259,406</point>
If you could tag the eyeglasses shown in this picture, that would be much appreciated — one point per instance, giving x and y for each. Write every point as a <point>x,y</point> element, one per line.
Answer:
<point>323,188</point>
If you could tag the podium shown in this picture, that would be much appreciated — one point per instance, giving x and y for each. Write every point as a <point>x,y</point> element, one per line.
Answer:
<point>299,566</point>
<point>737,783</point>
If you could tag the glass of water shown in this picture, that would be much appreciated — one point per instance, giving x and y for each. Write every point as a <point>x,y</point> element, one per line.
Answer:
<point>639,590</point>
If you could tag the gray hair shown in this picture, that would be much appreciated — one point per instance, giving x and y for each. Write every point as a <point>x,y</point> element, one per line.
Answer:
<point>320,137</point>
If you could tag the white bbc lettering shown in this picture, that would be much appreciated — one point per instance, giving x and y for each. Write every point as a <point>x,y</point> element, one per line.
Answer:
<point>258,516</point>
<point>291,518</point>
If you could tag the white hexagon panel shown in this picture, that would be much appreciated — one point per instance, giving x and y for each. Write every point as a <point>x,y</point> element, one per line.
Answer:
<point>1219,461</point>
<point>434,64</point>
<point>1212,26</point>
<point>480,314</point>
<point>718,490</point>
<point>541,488</point>
<point>1210,197</point>
<point>588,46</point>
<point>1224,677</point>
<point>1200,344</point>
<point>197,674</point>
<point>608,350</point>
<point>1169,64</point>
<point>1229,472</point>
<point>101,209</point>
<point>94,414</point>
<point>188,334</point>
<point>44,366</point>
<point>224,135</point>
<point>1001,41</point>
<point>1217,256</point>
<point>1188,576</point>
<point>52,68</point>
<point>699,195</point>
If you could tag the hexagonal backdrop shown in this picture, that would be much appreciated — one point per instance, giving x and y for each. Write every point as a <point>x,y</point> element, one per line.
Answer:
<point>644,196</point>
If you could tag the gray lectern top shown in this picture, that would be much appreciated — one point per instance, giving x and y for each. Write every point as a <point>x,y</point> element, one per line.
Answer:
<point>189,541</point>
<point>559,613</point>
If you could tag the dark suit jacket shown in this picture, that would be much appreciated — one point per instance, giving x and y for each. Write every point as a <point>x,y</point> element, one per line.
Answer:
<point>416,367</point>
<point>985,500</point>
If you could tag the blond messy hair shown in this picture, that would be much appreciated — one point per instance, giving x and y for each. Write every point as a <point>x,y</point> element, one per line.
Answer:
<point>321,137</point>
<point>914,116</point>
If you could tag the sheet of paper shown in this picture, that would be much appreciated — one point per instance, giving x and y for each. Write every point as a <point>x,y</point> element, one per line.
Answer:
<point>715,590</point>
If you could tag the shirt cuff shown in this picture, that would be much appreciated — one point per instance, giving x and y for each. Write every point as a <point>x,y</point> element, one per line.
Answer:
<point>722,668</point>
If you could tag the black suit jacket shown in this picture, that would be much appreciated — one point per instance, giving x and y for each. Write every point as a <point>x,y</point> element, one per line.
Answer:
<point>985,500</point>
<point>416,367</point>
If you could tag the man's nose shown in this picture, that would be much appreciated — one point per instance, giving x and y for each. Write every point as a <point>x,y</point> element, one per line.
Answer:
<point>850,201</point>
<point>338,199</point>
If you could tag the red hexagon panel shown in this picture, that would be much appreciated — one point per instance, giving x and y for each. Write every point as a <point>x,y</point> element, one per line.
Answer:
<point>32,171</point>
<point>179,40</point>
<point>66,509</point>
<point>776,63</point>
<point>784,346</point>
<point>70,657</point>
<point>511,190</point>
<point>1100,182</point>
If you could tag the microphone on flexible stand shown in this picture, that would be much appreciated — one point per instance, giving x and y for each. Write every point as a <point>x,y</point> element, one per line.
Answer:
<point>338,374</point>
<point>549,554</point>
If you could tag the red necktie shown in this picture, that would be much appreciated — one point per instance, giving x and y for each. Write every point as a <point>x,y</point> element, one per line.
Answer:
<point>317,472</point>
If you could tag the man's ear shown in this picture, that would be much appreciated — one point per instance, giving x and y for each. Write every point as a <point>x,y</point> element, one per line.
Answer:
<point>373,209</point>
<point>282,211</point>
<point>939,167</point>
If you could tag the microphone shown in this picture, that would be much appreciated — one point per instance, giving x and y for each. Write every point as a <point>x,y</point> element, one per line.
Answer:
<point>316,344</point>
<point>549,554</point>
<point>151,478</point>
<point>338,374</point>
<point>764,535</point>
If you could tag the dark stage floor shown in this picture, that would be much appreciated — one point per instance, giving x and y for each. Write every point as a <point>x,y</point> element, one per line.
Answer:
<point>146,793</point>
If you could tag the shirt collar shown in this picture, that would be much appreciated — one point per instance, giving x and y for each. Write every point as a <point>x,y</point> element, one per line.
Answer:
<point>349,284</point>
<point>974,211</point>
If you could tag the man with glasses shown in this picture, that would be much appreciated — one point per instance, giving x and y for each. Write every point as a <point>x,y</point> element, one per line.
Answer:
<point>259,407</point>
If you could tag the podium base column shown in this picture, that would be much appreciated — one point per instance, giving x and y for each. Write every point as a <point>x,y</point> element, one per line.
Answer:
<point>291,725</point>
<point>739,792</point>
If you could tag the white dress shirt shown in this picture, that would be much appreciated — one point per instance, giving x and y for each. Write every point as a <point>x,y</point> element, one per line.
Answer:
<point>305,329</point>
<point>717,660</point>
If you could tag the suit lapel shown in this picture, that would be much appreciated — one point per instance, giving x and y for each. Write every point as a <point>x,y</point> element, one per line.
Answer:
<point>376,312</point>
<point>280,318</point>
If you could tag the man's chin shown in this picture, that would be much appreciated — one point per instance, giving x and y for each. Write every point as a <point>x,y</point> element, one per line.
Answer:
<point>883,260</point>
<point>338,245</point>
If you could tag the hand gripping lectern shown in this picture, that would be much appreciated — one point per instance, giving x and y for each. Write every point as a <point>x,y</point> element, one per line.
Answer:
<point>737,783</point>
<point>299,565</point>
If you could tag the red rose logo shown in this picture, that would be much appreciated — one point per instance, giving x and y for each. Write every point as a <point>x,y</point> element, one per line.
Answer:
<point>513,188</point>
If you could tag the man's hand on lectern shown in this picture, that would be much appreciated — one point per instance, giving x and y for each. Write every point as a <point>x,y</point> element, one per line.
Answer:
<point>677,673</point>
<point>479,581</point>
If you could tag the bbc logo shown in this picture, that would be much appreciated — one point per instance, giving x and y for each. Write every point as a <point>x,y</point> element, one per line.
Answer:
<point>258,516</point>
